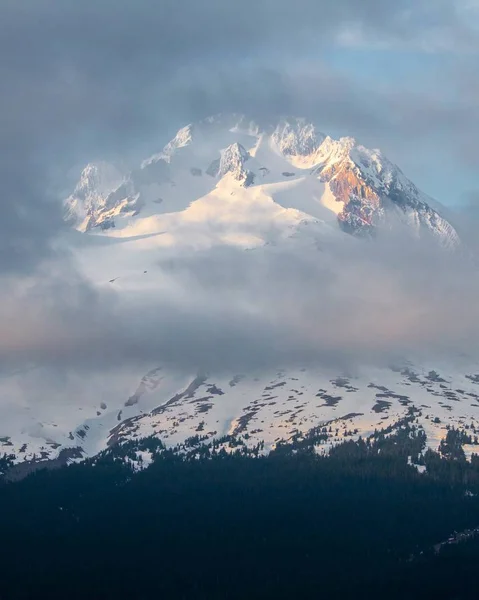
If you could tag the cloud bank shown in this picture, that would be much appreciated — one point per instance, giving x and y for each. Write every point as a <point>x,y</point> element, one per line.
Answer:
<point>348,303</point>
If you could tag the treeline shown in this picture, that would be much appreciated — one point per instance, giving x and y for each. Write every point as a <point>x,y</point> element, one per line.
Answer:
<point>228,525</point>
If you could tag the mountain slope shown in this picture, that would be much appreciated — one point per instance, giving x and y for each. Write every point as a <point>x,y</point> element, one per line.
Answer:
<point>258,409</point>
<point>222,185</point>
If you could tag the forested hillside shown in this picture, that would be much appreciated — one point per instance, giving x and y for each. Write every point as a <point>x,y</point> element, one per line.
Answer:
<point>361,522</point>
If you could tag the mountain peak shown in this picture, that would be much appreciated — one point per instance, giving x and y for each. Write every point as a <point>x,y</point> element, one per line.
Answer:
<point>183,138</point>
<point>90,196</point>
<point>297,137</point>
<point>99,177</point>
<point>232,160</point>
<point>232,157</point>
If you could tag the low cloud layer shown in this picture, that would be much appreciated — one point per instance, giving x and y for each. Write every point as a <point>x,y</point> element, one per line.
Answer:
<point>225,309</point>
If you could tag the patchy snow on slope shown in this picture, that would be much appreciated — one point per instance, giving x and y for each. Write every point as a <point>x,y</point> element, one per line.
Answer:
<point>143,459</point>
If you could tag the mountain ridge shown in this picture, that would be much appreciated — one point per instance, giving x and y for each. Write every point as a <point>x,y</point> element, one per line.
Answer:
<point>371,191</point>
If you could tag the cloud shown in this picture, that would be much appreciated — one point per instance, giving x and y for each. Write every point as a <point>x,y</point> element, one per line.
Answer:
<point>339,304</point>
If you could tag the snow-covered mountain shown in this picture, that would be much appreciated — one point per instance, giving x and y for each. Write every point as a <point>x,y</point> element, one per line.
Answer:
<point>258,410</point>
<point>361,187</point>
<point>229,182</point>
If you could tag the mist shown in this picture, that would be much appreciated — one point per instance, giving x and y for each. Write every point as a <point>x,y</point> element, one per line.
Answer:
<point>343,304</point>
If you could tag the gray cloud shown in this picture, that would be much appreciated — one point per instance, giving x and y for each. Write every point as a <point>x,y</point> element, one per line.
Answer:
<point>350,302</point>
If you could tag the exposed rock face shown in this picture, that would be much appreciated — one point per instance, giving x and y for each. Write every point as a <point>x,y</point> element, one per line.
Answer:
<point>104,193</point>
<point>232,160</point>
<point>375,191</point>
<point>101,193</point>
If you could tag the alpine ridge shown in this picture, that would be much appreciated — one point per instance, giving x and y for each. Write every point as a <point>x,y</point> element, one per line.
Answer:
<point>363,188</point>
